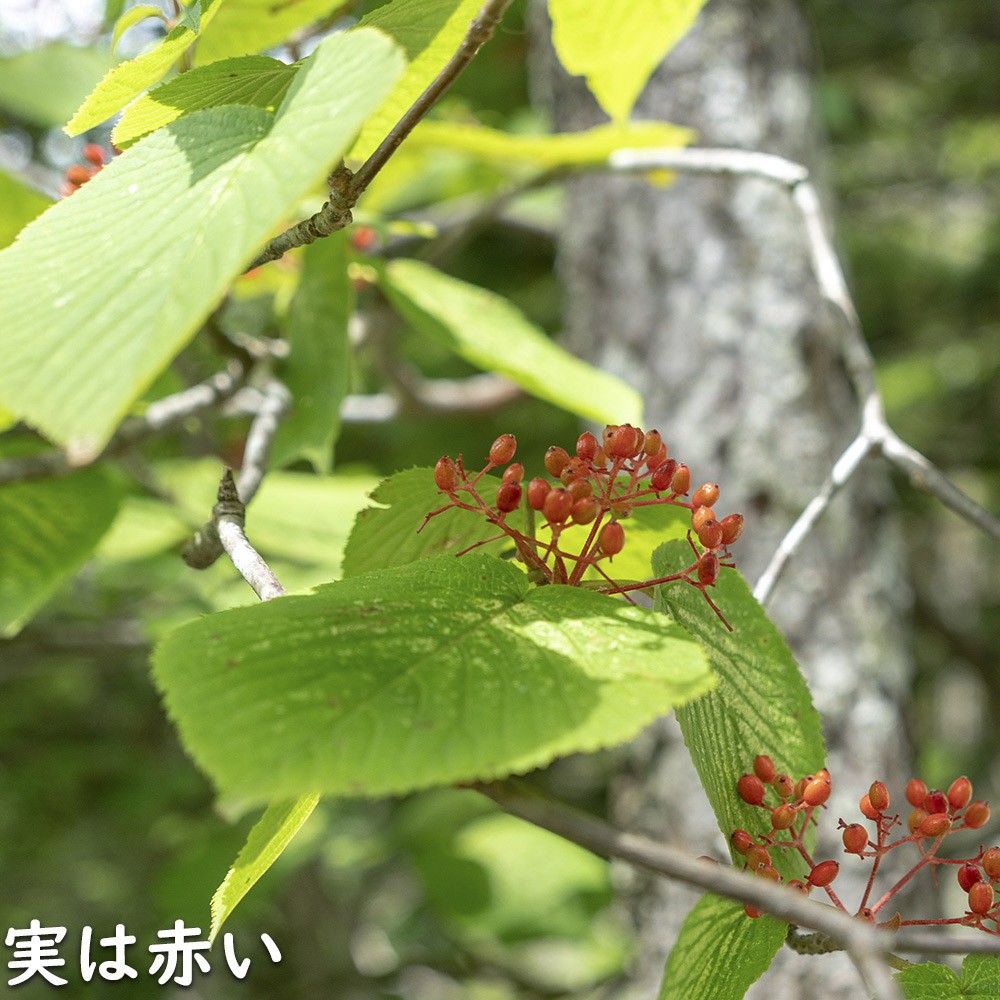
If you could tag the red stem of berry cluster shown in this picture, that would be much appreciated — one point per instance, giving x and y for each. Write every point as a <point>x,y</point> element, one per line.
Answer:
<point>598,486</point>
<point>935,816</point>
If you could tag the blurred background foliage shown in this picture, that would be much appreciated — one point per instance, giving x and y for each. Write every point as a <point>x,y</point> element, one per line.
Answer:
<point>102,818</point>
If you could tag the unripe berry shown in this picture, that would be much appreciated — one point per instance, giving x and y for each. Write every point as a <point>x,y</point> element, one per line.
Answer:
<point>445,474</point>
<point>855,838</point>
<point>538,490</point>
<point>916,818</point>
<point>959,793</point>
<point>700,516</point>
<point>764,768</point>
<point>816,792</point>
<point>661,479</point>
<point>705,495</point>
<point>936,801</point>
<point>968,876</point>
<point>783,785</point>
<point>557,505</point>
<point>934,825</point>
<point>624,442</point>
<point>878,796</point>
<point>708,568</point>
<point>502,450</point>
<point>584,510</point>
<point>681,482</point>
<point>652,443</point>
<point>751,789</point>
<point>867,809</point>
<point>991,862</point>
<point>508,497</point>
<point>977,814</point>
<point>556,459</point>
<point>981,897</point>
<point>783,816</point>
<point>823,874</point>
<point>580,489</point>
<point>586,446</point>
<point>757,856</point>
<point>741,841</point>
<point>732,528</point>
<point>513,473</point>
<point>916,792</point>
<point>611,539</point>
<point>710,535</point>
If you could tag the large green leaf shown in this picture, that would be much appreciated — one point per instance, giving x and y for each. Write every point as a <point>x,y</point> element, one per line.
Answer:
<point>616,46</point>
<point>930,981</point>
<point>247,26</point>
<point>430,31</point>
<point>256,81</point>
<point>720,952</point>
<point>18,206</point>
<point>445,670</point>
<point>491,333</point>
<point>129,79</point>
<point>592,145</point>
<point>270,836</point>
<point>49,526</point>
<point>122,273</point>
<point>316,371</point>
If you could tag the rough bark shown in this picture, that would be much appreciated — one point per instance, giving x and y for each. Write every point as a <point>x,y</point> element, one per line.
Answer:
<point>701,295</point>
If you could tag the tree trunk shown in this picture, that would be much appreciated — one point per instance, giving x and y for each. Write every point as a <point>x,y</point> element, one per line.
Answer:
<point>701,295</point>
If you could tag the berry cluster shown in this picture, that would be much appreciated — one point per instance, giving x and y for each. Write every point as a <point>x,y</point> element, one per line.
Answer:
<point>598,486</point>
<point>934,816</point>
<point>77,174</point>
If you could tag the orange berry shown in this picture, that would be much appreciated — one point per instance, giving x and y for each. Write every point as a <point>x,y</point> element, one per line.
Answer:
<point>741,841</point>
<point>557,505</point>
<point>977,814</point>
<point>556,459</point>
<point>502,450</point>
<point>959,793</point>
<point>584,510</point>
<point>710,534</point>
<point>878,796</point>
<point>799,886</point>
<point>93,153</point>
<point>783,816</point>
<point>624,442</point>
<point>751,789</point>
<point>867,809</point>
<point>580,489</point>
<point>513,473</point>
<point>991,862</point>
<point>981,897</point>
<point>916,792</point>
<point>916,818</point>
<point>652,443</point>
<point>769,872</point>
<point>681,482</point>
<point>855,838</point>
<point>705,495</point>
<point>823,874</point>
<point>783,785</point>
<point>817,791</point>
<point>757,856</point>
<point>764,768</point>
<point>538,490</point>
<point>700,516</point>
<point>611,539</point>
<point>77,174</point>
<point>586,446</point>
<point>752,911</point>
<point>363,238</point>
<point>732,528</point>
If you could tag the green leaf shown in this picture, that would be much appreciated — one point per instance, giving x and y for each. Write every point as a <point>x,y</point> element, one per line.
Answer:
<point>761,704</point>
<point>930,981</point>
<point>247,26</point>
<point>18,206</point>
<point>50,526</point>
<point>617,46</point>
<point>430,31</point>
<point>456,666</point>
<point>489,332</point>
<point>592,145</point>
<point>720,952</point>
<point>256,81</point>
<point>43,86</point>
<point>133,16</point>
<point>319,360</point>
<point>129,79</point>
<point>123,273</point>
<point>270,836</point>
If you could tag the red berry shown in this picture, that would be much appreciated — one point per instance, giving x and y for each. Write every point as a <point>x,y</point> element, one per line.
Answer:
<point>77,174</point>
<point>878,796</point>
<point>968,876</point>
<point>732,528</point>
<point>607,434</point>
<point>741,841</point>
<point>936,801</point>
<point>663,476</point>
<point>705,495</point>
<point>611,539</point>
<point>764,768</point>
<point>580,489</point>
<point>508,497</point>
<point>584,510</point>
<point>751,789</point>
<point>977,814</point>
<point>916,792</point>
<point>700,516</point>
<point>757,856</point>
<point>783,785</point>
<point>710,535</point>
<point>934,825</point>
<point>708,568</point>
<point>557,505</point>
<point>823,874</point>
<point>817,791</point>
<point>445,474</point>
<point>513,473</point>
<point>959,793</point>
<point>681,482</point>
<point>855,838</point>
<point>502,450</point>
<point>981,897</point>
<point>556,459</point>
<point>586,446</point>
<point>783,816</point>
<point>867,809</point>
<point>916,818</point>
<point>654,461</point>
<point>363,238</point>
<point>752,911</point>
<point>652,443</point>
<point>538,490</point>
<point>991,862</point>
<point>624,442</point>
<point>93,153</point>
